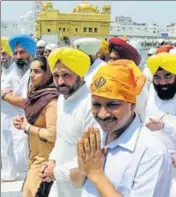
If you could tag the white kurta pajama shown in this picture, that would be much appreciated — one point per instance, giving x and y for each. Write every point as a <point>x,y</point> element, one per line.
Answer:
<point>165,110</point>
<point>13,147</point>
<point>74,115</point>
<point>136,164</point>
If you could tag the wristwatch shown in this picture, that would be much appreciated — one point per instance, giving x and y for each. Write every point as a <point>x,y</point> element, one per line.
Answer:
<point>3,95</point>
<point>27,128</point>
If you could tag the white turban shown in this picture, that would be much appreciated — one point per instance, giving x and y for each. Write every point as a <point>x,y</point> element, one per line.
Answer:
<point>160,41</point>
<point>173,51</point>
<point>51,46</point>
<point>41,43</point>
<point>173,41</point>
<point>90,46</point>
<point>151,51</point>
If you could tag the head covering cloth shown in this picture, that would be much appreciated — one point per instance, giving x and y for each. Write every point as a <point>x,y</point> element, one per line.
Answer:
<point>5,46</point>
<point>165,61</point>
<point>24,41</point>
<point>90,46</point>
<point>120,80</point>
<point>76,60</point>
<point>38,98</point>
<point>124,49</point>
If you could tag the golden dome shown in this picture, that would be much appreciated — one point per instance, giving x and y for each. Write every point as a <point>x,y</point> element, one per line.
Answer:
<point>86,7</point>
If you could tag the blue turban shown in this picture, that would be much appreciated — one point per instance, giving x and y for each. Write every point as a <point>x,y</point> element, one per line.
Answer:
<point>25,41</point>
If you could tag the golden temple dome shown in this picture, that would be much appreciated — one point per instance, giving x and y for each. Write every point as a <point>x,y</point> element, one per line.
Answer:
<point>85,7</point>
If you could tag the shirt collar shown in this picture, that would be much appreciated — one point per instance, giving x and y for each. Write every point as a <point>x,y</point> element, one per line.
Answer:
<point>129,138</point>
<point>79,93</point>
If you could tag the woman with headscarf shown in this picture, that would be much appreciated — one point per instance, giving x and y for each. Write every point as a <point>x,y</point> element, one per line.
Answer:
<point>39,123</point>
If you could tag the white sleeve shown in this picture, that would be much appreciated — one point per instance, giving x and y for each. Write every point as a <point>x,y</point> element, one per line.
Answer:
<point>141,102</point>
<point>61,172</point>
<point>170,128</point>
<point>153,177</point>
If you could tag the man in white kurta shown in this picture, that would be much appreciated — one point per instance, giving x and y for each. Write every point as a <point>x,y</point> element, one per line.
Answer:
<point>161,103</point>
<point>133,162</point>
<point>73,116</point>
<point>7,154</point>
<point>23,47</point>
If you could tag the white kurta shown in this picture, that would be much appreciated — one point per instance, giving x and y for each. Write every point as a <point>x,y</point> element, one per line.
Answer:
<point>19,137</point>
<point>7,152</point>
<point>13,142</point>
<point>74,115</point>
<point>158,108</point>
<point>136,164</point>
<point>92,70</point>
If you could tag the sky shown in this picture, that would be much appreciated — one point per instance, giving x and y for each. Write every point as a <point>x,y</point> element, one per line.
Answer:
<point>160,12</point>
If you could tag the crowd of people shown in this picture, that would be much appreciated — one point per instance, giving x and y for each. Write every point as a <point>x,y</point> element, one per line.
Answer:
<point>85,121</point>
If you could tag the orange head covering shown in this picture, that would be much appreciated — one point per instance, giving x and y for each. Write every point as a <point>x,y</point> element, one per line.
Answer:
<point>120,79</point>
<point>164,48</point>
<point>104,47</point>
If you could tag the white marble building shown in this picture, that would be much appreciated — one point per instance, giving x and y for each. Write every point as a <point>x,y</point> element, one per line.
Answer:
<point>126,26</point>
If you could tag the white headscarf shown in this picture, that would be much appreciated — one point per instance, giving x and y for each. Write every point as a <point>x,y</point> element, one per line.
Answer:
<point>41,43</point>
<point>51,46</point>
<point>90,46</point>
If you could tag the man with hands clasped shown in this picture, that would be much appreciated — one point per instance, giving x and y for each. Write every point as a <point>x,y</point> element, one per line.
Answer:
<point>123,159</point>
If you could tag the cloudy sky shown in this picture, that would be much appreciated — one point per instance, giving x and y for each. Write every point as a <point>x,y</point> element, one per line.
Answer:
<point>161,12</point>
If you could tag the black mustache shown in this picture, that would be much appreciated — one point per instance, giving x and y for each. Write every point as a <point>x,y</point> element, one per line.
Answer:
<point>21,62</point>
<point>62,86</point>
<point>163,86</point>
<point>106,119</point>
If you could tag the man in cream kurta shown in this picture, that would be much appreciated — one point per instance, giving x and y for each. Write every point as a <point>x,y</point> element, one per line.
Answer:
<point>74,115</point>
<point>161,103</point>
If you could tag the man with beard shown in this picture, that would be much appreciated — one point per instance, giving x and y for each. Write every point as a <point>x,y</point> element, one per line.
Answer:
<point>124,159</point>
<point>6,155</point>
<point>161,103</point>
<point>68,66</point>
<point>14,143</point>
<point>90,46</point>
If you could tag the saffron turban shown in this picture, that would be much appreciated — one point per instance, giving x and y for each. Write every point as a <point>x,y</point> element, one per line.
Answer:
<point>24,41</point>
<point>74,59</point>
<point>104,47</point>
<point>90,46</point>
<point>121,80</point>
<point>51,46</point>
<point>5,46</point>
<point>165,48</point>
<point>124,49</point>
<point>165,61</point>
